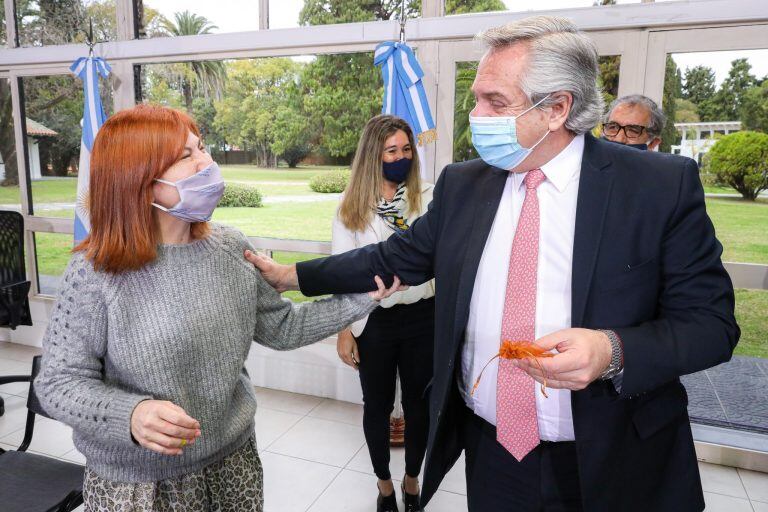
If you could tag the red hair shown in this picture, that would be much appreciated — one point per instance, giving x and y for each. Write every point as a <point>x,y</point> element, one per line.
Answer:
<point>132,149</point>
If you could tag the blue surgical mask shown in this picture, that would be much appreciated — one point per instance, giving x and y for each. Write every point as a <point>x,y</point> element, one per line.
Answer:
<point>495,139</point>
<point>642,147</point>
<point>199,193</point>
<point>397,171</point>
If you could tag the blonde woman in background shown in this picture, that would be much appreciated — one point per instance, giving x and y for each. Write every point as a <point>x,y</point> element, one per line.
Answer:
<point>384,197</point>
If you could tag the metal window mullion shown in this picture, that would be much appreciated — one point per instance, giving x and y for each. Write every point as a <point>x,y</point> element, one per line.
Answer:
<point>25,190</point>
<point>10,23</point>
<point>263,14</point>
<point>126,23</point>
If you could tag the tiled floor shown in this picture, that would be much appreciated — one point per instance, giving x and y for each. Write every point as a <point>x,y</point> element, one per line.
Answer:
<point>321,441</point>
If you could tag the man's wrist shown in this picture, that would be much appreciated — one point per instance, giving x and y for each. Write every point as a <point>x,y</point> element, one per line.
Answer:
<point>292,278</point>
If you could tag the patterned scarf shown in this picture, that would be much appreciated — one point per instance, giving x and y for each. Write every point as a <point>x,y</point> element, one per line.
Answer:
<point>393,212</point>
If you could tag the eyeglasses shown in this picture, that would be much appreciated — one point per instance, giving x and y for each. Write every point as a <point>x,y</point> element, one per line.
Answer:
<point>632,131</point>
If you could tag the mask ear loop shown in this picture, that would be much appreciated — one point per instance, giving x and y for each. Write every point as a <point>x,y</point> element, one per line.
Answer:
<point>165,182</point>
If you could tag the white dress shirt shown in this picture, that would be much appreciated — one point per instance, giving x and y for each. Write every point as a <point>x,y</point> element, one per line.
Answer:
<point>343,240</point>
<point>557,206</point>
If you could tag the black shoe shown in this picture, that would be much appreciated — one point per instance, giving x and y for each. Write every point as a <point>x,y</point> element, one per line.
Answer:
<point>412,502</point>
<point>386,503</point>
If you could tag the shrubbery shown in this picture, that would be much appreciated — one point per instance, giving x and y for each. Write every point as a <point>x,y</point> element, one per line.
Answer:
<point>240,196</point>
<point>330,182</point>
<point>741,161</point>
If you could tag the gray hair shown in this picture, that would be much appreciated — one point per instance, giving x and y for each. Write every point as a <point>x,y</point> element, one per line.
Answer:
<point>658,119</point>
<point>562,58</point>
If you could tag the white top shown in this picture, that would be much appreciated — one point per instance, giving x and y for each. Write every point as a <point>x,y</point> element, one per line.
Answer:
<point>557,207</point>
<point>343,240</point>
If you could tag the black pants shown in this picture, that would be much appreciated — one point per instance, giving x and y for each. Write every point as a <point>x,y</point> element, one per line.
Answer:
<point>397,339</point>
<point>547,479</point>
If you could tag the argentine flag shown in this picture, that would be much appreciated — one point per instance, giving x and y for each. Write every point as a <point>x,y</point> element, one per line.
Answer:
<point>404,94</point>
<point>88,69</point>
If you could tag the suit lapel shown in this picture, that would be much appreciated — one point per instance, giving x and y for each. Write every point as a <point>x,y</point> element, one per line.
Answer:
<point>595,183</point>
<point>489,197</point>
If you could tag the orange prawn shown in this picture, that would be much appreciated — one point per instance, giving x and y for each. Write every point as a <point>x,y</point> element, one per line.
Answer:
<point>518,350</point>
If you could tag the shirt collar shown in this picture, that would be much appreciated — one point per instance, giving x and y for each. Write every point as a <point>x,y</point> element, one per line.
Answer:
<point>565,166</point>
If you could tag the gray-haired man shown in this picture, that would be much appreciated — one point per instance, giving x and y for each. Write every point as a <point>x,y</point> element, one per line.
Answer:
<point>634,120</point>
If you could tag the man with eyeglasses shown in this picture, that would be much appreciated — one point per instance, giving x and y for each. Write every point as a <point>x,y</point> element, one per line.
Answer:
<point>634,120</point>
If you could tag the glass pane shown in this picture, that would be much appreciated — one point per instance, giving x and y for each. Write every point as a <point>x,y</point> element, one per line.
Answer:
<point>294,13</point>
<point>66,21</point>
<point>464,101</point>
<point>9,174</point>
<point>54,108</point>
<point>170,18</point>
<point>718,108</point>
<point>53,253</point>
<point>470,6</point>
<point>275,124</point>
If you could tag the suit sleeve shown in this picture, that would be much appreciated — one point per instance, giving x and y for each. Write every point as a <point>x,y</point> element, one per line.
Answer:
<point>695,327</point>
<point>408,255</point>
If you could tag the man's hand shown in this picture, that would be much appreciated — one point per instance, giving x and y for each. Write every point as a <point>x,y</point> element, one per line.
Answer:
<point>382,292</point>
<point>346,347</point>
<point>583,355</point>
<point>280,277</point>
<point>163,427</point>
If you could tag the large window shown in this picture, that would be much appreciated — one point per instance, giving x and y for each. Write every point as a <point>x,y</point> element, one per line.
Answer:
<point>279,126</point>
<point>54,109</point>
<point>717,105</point>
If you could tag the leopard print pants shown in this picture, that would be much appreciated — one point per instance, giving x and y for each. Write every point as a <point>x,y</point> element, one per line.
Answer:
<point>234,484</point>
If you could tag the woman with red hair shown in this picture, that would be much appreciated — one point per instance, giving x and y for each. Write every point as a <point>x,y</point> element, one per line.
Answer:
<point>144,354</point>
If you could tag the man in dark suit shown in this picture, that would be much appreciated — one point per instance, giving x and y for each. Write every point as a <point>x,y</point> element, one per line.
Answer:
<point>602,254</point>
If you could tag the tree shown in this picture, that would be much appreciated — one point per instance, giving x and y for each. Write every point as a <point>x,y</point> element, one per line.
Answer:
<point>728,99</point>
<point>292,136</point>
<point>672,90</point>
<point>741,161</point>
<point>254,92</point>
<point>463,104</point>
<point>609,76</point>
<point>685,111</point>
<point>468,6</point>
<point>754,108</point>
<point>699,84</point>
<point>203,78</point>
<point>7,140</point>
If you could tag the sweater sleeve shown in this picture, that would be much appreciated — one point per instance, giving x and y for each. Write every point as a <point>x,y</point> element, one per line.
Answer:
<point>284,325</point>
<point>71,385</point>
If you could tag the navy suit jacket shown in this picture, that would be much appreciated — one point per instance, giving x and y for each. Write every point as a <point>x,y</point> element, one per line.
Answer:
<point>646,264</point>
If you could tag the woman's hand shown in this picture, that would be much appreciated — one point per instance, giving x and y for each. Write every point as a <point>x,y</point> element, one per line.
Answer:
<point>383,292</point>
<point>346,346</point>
<point>163,427</point>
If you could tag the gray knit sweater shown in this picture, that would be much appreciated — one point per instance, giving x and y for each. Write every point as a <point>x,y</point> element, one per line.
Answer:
<point>179,329</point>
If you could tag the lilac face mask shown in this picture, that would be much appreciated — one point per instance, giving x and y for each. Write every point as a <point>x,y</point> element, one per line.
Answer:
<point>199,193</point>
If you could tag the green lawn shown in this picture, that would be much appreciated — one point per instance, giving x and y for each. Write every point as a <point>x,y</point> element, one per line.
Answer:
<point>752,316</point>
<point>742,228</point>
<point>719,190</point>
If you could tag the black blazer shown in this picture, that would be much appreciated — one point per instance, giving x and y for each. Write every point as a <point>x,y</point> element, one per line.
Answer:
<point>646,264</point>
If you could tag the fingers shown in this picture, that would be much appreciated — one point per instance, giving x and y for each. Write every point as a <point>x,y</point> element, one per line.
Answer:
<point>552,340</point>
<point>356,356</point>
<point>172,413</point>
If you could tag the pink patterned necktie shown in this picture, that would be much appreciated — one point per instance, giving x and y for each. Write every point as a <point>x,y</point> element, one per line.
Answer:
<point>517,426</point>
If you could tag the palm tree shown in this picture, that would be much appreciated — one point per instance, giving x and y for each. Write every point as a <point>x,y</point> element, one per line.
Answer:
<point>203,77</point>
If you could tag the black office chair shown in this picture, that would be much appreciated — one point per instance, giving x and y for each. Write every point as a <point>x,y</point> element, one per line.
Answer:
<point>31,482</point>
<point>14,287</point>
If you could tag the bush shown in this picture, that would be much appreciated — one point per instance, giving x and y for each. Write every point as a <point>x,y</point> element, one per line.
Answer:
<point>331,181</point>
<point>240,196</point>
<point>741,160</point>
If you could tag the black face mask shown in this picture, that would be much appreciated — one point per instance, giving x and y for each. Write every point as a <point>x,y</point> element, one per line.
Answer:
<point>397,171</point>
<point>642,147</point>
